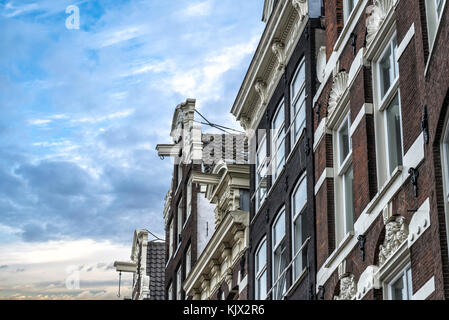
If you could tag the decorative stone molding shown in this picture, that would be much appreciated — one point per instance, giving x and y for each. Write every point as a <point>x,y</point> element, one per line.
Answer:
<point>377,14</point>
<point>368,280</point>
<point>261,88</point>
<point>338,89</point>
<point>300,7</point>
<point>420,222</point>
<point>396,233</point>
<point>278,48</point>
<point>342,270</point>
<point>321,64</point>
<point>348,288</point>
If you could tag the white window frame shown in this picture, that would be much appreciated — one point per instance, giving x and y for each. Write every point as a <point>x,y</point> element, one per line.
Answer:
<point>293,101</point>
<point>180,223</point>
<point>382,104</point>
<point>188,260</point>
<point>405,274</point>
<point>274,248</point>
<point>342,169</point>
<point>179,283</point>
<point>171,238</point>
<point>262,271</point>
<point>444,148</point>
<point>277,134</point>
<point>170,292</point>
<point>297,213</point>
<point>433,19</point>
<point>189,202</point>
<point>179,173</point>
<point>347,13</point>
<point>260,168</point>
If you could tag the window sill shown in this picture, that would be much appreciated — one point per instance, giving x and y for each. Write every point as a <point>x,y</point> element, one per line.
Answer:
<point>339,249</point>
<point>296,283</point>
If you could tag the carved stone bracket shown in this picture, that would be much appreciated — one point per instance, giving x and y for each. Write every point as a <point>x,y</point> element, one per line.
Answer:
<point>321,64</point>
<point>396,232</point>
<point>300,7</point>
<point>278,48</point>
<point>261,88</point>
<point>348,288</point>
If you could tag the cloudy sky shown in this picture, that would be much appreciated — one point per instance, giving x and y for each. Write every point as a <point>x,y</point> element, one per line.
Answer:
<point>81,111</point>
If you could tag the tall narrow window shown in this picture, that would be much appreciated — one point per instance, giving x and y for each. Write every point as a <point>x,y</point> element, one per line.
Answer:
<point>261,172</point>
<point>388,68</point>
<point>445,171</point>
<point>279,247</point>
<point>179,173</point>
<point>299,201</point>
<point>180,222</point>
<point>278,141</point>
<point>401,286</point>
<point>171,239</point>
<point>261,271</point>
<point>188,261</point>
<point>394,136</point>
<point>170,292</point>
<point>179,283</point>
<point>189,201</point>
<point>298,101</point>
<point>434,11</point>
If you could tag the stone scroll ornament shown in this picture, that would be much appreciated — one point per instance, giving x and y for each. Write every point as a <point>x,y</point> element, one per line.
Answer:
<point>348,288</point>
<point>396,232</point>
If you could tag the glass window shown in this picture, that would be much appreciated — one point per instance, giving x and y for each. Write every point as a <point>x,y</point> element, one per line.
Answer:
<point>189,201</point>
<point>388,68</point>
<point>344,140</point>
<point>348,180</point>
<point>279,257</point>
<point>171,239</point>
<point>298,101</point>
<point>178,283</point>
<point>180,222</point>
<point>261,271</point>
<point>401,287</point>
<point>179,174</point>
<point>434,11</point>
<point>170,292</point>
<point>394,137</point>
<point>261,174</point>
<point>188,261</point>
<point>299,201</point>
<point>278,141</point>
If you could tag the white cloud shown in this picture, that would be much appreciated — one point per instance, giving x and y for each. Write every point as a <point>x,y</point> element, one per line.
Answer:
<point>122,34</point>
<point>115,115</point>
<point>39,122</point>
<point>13,10</point>
<point>198,9</point>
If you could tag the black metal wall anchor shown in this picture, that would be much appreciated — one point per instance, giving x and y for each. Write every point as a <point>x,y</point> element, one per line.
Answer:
<point>354,42</point>
<point>414,174</point>
<point>321,291</point>
<point>362,241</point>
<point>286,183</point>
<point>425,124</point>
<point>317,112</point>
<point>307,148</point>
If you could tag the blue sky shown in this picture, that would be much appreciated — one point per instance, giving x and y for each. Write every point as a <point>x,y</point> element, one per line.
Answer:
<point>81,112</point>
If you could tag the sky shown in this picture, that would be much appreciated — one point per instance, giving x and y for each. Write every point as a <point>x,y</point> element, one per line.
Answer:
<point>81,111</point>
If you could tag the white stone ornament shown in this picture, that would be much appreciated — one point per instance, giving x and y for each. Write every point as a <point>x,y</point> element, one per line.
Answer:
<point>348,288</point>
<point>377,14</point>
<point>321,64</point>
<point>396,232</point>
<point>300,7</point>
<point>338,89</point>
<point>261,88</point>
<point>278,48</point>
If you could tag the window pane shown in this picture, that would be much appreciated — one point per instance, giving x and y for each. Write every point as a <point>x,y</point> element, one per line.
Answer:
<point>398,290</point>
<point>409,284</point>
<point>280,262</point>
<point>280,157</point>
<point>297,245</point>
<point>300,119</point>
<point>439,6</point>
<point>394,134</point>
<point>278,121</point>
<point>343,136</point>
<point>349,201</point>
<point>279,230</point>
<point>261,257</point>
<point>385,75</point>
<point>188,261</point>
<point>261,290</point>
<point>298,81</point>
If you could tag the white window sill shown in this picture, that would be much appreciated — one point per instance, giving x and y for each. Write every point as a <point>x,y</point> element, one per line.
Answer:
<point>339,249</point>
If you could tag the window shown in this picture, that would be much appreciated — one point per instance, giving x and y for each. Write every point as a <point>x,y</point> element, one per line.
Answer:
<point>170,292</point>
<point>298,101</point>
<point>261,174</point>
<point>180,223</point>
<point>178,283</point>
<point>389,107</point>
<point>188,261</point>
<point>261,271</point>
<point>189,201</point>
<point>445,170</point>
<point>388,68</point>
<point>299,201</point>
<point>434,11</point>
<point>278,141</point>
<point>401,286</point>
<point>179,173</point>
<point>344,180</point>
<point>279,247</point>
<point>348,7</point>
<point>171,240</point>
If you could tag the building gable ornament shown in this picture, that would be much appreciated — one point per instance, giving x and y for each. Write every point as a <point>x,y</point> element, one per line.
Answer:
<point>376,16</point>
<point>278,49</point>
<point>321,64</point>
<point>261,88</point>
<point>300,7</point>
<point>348,288</point>
<point>338,89</point>
<point>396,232</point>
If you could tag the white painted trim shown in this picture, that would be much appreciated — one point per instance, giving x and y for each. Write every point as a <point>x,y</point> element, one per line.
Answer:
<point>367,108</point>
<point>327,173</point>
<point>415,154</point>
<point>320,132</point>
<point>425,291</point>
<point>420,222</point>
<point>340,248</point>
<point>406,41</point>
<point>243,284</point>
